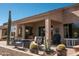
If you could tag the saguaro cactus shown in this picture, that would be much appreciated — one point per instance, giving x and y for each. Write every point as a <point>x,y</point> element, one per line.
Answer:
<point>9,28</point>
<point>46,43</point>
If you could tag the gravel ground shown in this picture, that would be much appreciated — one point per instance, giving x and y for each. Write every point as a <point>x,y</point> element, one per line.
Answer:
<point>8,52</point>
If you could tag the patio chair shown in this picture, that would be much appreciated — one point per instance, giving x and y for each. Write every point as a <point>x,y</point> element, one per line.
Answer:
<point>23,44</point>
<point>39,39</point>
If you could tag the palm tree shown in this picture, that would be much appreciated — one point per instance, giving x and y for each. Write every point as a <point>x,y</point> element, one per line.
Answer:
<point>9,28</point>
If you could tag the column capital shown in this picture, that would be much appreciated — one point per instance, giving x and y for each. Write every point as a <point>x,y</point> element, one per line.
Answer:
<point>47,18</point>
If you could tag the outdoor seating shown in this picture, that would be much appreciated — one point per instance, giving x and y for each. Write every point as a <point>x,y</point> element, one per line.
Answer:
<point>39,42</point>
<point>38,39</point>
<point>22,43</point>
<point>70,42</point>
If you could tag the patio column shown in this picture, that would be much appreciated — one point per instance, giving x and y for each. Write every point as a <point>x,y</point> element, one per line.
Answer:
<point>48,30</point>
<point>16,32</point>
<point>23,31</point>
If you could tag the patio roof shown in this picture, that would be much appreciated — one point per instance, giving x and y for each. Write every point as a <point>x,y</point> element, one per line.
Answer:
<point>45,13</point>
<point>39,15</point>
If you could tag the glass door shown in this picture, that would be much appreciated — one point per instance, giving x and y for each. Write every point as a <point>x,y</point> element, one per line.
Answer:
<point>68,30</point>
<point>41,31</point>
<point>28,31</point>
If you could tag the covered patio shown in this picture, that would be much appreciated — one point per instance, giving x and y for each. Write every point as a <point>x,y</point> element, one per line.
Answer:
<point>43,26</point>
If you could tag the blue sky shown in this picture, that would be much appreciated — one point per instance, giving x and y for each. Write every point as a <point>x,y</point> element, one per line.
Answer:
<point>21,10</point>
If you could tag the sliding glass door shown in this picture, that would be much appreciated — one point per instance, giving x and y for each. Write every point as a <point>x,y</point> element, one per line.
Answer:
<point>71,30</point>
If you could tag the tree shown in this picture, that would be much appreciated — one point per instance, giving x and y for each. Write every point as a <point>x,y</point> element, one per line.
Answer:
<point>9,29</point>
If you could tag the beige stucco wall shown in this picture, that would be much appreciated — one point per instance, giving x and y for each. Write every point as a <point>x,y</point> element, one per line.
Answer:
<point>57,16</point>
<point>36,25</point>
<point>60,27</point>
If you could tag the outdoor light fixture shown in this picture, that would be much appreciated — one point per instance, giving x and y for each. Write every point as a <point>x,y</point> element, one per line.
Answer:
<point>27,30</point>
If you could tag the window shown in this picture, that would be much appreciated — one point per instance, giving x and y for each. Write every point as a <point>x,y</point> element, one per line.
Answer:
<point>71,30</point>
<point>4,32</point>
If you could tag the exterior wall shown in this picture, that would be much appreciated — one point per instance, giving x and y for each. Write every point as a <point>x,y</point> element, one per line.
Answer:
<point>36,25</point>
<point>71,15</point>
<point>56,16</point>
<point>14,29</point>
<point>3,31</point>
<point>55,25</point>
<point>60,27</point>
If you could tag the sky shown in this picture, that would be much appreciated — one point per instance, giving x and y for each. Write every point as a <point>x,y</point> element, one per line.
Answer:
<point>22,10</point>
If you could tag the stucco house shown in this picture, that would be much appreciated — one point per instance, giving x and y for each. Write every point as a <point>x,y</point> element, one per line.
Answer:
<point>66,20</point>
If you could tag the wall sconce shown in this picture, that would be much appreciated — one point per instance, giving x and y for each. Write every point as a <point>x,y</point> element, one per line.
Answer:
<point>27,30</point>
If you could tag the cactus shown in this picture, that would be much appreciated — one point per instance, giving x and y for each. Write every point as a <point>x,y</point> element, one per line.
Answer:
<point>47,48</point>
<point>9,28</point>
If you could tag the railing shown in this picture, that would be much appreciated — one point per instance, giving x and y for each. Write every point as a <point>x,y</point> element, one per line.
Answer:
<point>70,42</point>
